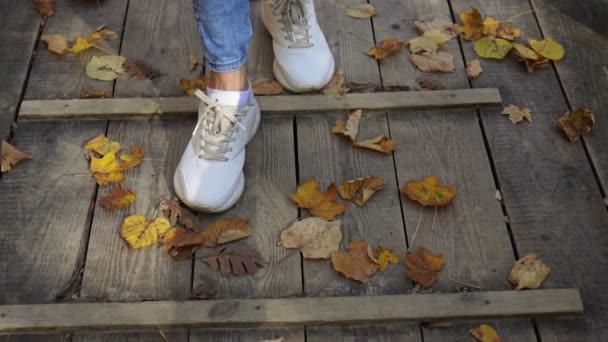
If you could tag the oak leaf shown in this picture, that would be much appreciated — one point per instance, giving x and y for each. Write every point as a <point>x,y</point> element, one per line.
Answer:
<point>362,11</point>
<point>315,237</point>
<point>386,48</point>
<point>10,156</point>
<point>472,24</point>
<point>139,232</point>
<point>336,86</point>
<point>495,48</point>
<point>55,43</point>
<point>176,214</point>
<point>46,8</point>
<point>94,94</point>
<point>102,145</point>
<point>547,48</point>
<point>355,263</point>
<point>517,114</point>
<point>264,86</point>
<point>485,333</point>
<point>528,272</point>
<point>225,230</point>
<point>385,257</point>
<point>139,70</point>
<point>473,69</point>
<point>423,267</point>
<point>434,62</point>
<point>119,198</point>
<point>446,26</point>
<point>235,260</point>
<point>379,143</point>
<point>189,86</point>
<point>360,190</point>
<point>429,192</point>
<point>576,122</point>
<point>319,204</point>
<point>350,126</point>
<point>105,68</point>
<point>422,44</point>
<point>181,243</point>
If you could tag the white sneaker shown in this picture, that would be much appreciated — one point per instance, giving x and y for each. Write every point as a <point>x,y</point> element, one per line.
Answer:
<point>209,176</point>
<point>303,61</point>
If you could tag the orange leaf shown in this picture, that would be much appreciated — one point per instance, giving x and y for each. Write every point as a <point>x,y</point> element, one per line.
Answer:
<point>360,190</point>
<point>10,156</point>
<point>319,204</point>
<point>104,179</point>
<point>379,143</point>
<point>356,262</point>
<point>118,199</point>
<point>387,47</point>
<point>429,192</point>
<point>485,333</point>
<point>133,159</point>
<point>472,24</point>
<point>226,230</point>
<point>350,126</point>
<point>181,243</point>
<point>423,267</point>
<point>490,26</point>
<point>328,209</point>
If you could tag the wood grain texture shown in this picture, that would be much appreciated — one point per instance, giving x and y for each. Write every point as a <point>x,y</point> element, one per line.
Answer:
<point>54,76</point>
<point>290,334</point>
<point>554,205</point>
<point>173,335</point>
<point>18,33</point>
<point>33,338</point>
<point>368,333</point>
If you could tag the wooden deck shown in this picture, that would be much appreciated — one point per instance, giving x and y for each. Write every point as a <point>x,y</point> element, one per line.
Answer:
<point>58,245</point>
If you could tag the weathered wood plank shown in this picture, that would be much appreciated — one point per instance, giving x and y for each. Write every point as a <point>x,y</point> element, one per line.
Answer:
<point>33,338</point>
<point>549,191</point>
<point>290,311</point>
<point>470,233</point>
<point>130,336</point>
<point>289,334</point>
<point>121,108</point>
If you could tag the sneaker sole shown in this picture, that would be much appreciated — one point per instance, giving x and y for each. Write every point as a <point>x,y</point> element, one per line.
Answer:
<point>281,79</point>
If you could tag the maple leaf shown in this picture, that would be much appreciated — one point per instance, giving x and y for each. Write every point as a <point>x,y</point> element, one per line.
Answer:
<point>445,25</point>
<point>429,192</point>
<point>235,260</point>
<point>472,24</point>
<point>386,48</point>
<point>102,145</point>
<point>434,62</point>
<point>423,267</point>
<point>315,237</point>
<point>386,256</point>
<point>490,26</point>
<point>226,230</point>
<point>139,70</point>
<point>356,262</point>
<point>181,243</point>
<point>178,214</point>
<point>517,114</point>
<point>422,44</point>
<point>94,94</point>
<point>319,204</point>
<point>362,11</point>
<point>105,68</point>
<point>139,232</point>
<point>528,272</point>
<point>576,122</point>
<point>379,143</point>
<point>264,86</point>
<point>547,48</point>
<point>350,126</point>
<point>118,199</point>
<point>46,8</point>
<point>10,156</point>
<point>55,43</point>
<point>473,69</point>
<point>189,86</point>
<point>336,86</point>
<point>360,190</point>
<point>494,48</point>
<point>133,159</point>
<point>485,333</point>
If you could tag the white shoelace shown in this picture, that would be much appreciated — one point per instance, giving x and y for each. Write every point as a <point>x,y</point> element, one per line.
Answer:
<point>293,15</point>
<point>215,128</point>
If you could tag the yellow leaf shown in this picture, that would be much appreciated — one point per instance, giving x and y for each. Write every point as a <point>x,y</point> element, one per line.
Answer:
<point>104,179</point>
<point>361,11</point>
<point>336,87</point>
<point>547,48</point>
<point>133,159</point>
<point>80,45</point>
<point>437,36</point>
<point>105,68</point>
<point>350,126</point>
<point>473,69</point>
<point>429,192</point>
<point>118,199</point>
<point>140,232</point>
<point>105,164</point>
<point>496,48</point>
<point>102,145</point>
<point>225,230</point>
<point>528,272</point>
<point>423,44</point>
<point>387,48</point>
<point>524,52</point>
<point>490,26</point>
<point>485,333</point>
<point>472,25</point>
<point>318,203</point>
<point>315,237</point>
<point>386,256</point>
<point>508,31</point>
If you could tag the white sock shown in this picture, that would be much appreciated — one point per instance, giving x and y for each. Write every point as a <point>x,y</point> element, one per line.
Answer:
<point>231,98</point>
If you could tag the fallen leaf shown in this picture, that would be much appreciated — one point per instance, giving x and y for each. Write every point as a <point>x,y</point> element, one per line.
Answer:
<point>528,272</point>
<point>508,31</point>
<point>490,26</point>
<point>473,69</point>
<point>437,36</point>
<point>525,52</point>
<point>350,126</point>
<point>94,94</point>
<point>280,339</point>
<point>105,164</point>
<point>445,25</point>
<point>495,48</point>
<point>355,263</point>
<point>360,190</point>
<point>386,48</point>
<point>336,86</point>
<point>379,143</point>
<point>189,86</point>
<point>105,68</point>
<point>264,86</point>
<point>485,333</point>
<point>226,230</point>
<point>235,260</point>
<point>423,267</point>
<point>55,43</point>
<point>10,156</point>
<point>192,62</point>
<point>576,122</point>
<point>133,159</point>
<point>385,257</point>
<point>118,199</point>
<point>178,214</point>
<point>181,243</point>
<point>547,48</point>
<point>363,11</point>
<point>434,62</point>
<point>429,192</point>
<point>139,70</point>
<point>46,8</point>
<point>140,232</point>
<point>102,145</point>
<point>104,179</point>
<point>315,237</point>
<point>103,32</point>
<point>517,114</point>
<point>472,24</point>
<point>427,82</point>
<point>319,204</point>
<point>422,44</point>
<point>81,44</point>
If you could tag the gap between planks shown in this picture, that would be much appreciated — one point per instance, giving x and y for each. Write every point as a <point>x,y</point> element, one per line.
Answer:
<point>290,311</point>
<point>121,108</point>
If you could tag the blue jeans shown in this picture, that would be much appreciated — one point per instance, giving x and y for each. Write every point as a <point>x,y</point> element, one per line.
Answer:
<point>225,29</point>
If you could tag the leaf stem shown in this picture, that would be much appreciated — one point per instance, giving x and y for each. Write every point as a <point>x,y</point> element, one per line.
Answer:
<point>416,230</point>
<point>459,282</point>
<point>434,217</point>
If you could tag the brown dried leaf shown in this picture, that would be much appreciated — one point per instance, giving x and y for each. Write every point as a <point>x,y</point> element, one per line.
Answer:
<point>329,209</point>
<point>315,237</point>
<point>10,156</point>
<point>474,69</point>
<point>517,114</point>
<point>336,87</point>
<point>319,204</point>
<point>178,214</point>
<point>103,32</point>
<point>379,143</point>
<point>355,263</point>
<point>528,272</point>
<point>189,86</point>
<point>509,31</point>
<point>46,8</point>
<point>181,243</point>
<point>387,48</point>
<point>360,190</point>
<point>55,43</point>
<point>472,24</point>
<point>140,70</point>
<point>443,24</point>
<point>235,260</point>
<point>94,94</point>
<point>434,62</point>
<point>264,86</point>
<point>119,198</point>
<point>349,127</point>
<point>423,267</point>
<point>226,230</point>
<point>576,122</point>
<point>362,11</point>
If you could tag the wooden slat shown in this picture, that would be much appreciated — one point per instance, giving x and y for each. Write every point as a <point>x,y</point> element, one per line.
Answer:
<point>290,311</point>
<point>120,108</point>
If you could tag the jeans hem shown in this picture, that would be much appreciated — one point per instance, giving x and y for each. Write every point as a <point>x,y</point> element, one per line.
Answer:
<point>227,67</point>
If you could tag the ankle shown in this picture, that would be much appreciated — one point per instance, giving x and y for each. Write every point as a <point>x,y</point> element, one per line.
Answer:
<point>230,81</point>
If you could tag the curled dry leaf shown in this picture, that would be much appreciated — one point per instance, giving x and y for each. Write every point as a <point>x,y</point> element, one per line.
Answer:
<point>103,32</point>
<point>336,86</point>
<point>445,25</point>
<point>528,272</point>
<point>385,257</point>
<point>46,8</point>
<point>434,62</point>
<point>315,237</point>
<point>547,48</point>
<point>350,126</point>
<point>181,243</point>
<point>119,198</point>
<point>102,145</point>
<point>386,48</point>
<point>429,192</point>
<point>355,263</point>
<point>517,114</point>
<point>176,214</point>
<point>235,260</point>
<point>319,204</point>
<point>94,94</point>
<point>264,86</point>
<point>422,44</point>
<point>379,143</point>
<point>139,232</point>
<point>423,267</point>
<point>576,122</point>
<point>55,43</point>
<point>494,48</point>
<point>105,68</point>
<point>360,190</point>
<point>485,333</point>
<point>472,24</point>
<point>139,70</point>
<point>362,11</point>
<point>474,69</point>
<point>10,156</point>
<point>189,86</point>
<point>226,230</point>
